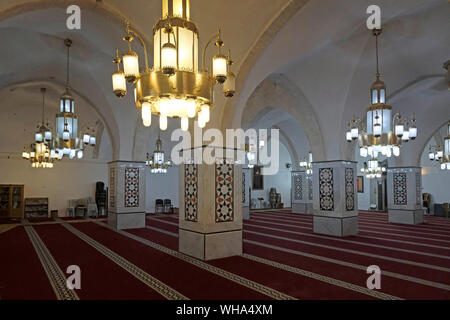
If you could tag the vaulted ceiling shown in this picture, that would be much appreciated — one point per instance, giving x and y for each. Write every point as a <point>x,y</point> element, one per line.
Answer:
<point>321,48</point>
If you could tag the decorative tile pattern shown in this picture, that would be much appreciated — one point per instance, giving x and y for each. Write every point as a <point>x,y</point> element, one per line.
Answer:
<point>349,190</point>
<point>112,187</point>
<point>224,192</point>
<point>418,189</point>
<point>310,188</point>
<point>326,191</point>
<point>243,187</point>
<point>298,185</point>
<point>400,191</point>
<point>131,187</point>
<point>191,192</point>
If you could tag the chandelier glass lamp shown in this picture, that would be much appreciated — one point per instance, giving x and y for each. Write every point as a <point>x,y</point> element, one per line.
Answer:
<point>307,164</point>
<point>382,133</point>
<point>158,163</point>
<point>445,160</point>
<point>373,169</point>
<point>41,153</point>
<point>176,86</point>
<point>66,139</point>
<point>251,153</point>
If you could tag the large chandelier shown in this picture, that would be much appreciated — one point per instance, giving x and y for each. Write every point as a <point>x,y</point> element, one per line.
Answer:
<point>382,134</point>
<point>175,87</point>
<point>40,153</point>
<point>307,164</point>
<point>66,139</point>
<point>157,163</point>
<point>373,169</point>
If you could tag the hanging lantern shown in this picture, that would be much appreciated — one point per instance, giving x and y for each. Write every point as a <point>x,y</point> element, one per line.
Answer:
<point>382,133</point>
<point>175,86</point>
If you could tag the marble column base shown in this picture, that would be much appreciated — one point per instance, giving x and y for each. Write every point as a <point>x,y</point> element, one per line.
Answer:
<point>122,221</point>
<point>339,227</point>
<point>246,213</point>
<point>302,208</point>
<point>210,246</point>
<point>405,216</point>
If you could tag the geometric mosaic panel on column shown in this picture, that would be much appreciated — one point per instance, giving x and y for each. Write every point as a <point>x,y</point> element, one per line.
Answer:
<point>224,192</point>
<point>191,192</point>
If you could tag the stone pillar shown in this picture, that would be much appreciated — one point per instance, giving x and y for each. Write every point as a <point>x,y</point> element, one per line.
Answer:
<point>210,224</point>
<point>404,188</point>
<point>246,177</point>
<point>126,195</point>
<point>335,202</point>
<point>301,192</point>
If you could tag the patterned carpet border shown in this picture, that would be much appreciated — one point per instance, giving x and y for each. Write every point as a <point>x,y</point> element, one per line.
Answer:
<point>55,275</point>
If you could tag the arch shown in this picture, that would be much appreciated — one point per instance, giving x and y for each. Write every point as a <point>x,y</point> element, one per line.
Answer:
<point>98,7</point>
<point>272,29</point>
<point>277,90</point>
<point>77,95</point>
<point>290,147</point>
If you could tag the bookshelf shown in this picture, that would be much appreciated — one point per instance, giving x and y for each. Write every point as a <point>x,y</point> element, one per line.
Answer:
<point>36,207</point>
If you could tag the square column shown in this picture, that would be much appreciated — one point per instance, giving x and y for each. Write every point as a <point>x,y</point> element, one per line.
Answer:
<point>404,188</point>
<point>126,195</point>
<point>301,192</point>
<point>335,202</point>
<point>210,225</point>
<point>246,178</point>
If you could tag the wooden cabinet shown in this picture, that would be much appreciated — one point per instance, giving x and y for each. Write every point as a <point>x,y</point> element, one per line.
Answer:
<point>11,201</point>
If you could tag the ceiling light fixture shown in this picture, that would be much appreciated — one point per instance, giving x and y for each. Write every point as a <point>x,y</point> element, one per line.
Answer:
<point>157,163</point>
<point>175,87</point>
<point>378,136</point>
<point>66,139</point>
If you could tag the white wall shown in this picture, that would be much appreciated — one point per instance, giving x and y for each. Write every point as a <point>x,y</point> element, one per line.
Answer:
<point>161,186</point>
<point>76,180</point>
<point>69,179</point>
<point>281,181</point>
<point>434,180</point>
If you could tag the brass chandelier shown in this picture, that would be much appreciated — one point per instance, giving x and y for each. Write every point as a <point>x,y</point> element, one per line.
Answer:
<point>40,153</point>
<point>382,134</point>
<point>251,153</point>
<point>175,87</point>
<point>157,163</point>
<point>307,164</point>
<point>66,140</point>
<point>373,169</point>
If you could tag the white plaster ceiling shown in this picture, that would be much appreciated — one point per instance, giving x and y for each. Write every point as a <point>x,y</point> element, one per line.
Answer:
<point>327,51</point>
<point>324,49</point>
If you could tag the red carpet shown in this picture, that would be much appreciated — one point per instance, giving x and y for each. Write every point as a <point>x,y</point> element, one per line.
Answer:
<point>190,280</point>
<point>286,282</point>
<point>391,285</point>
<point>280,253</point>
<point>101,278</point>
<point>21,273</point>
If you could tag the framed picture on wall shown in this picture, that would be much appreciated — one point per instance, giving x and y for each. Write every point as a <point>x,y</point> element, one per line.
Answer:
<point>360,184</point>
<point>257,178</point>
